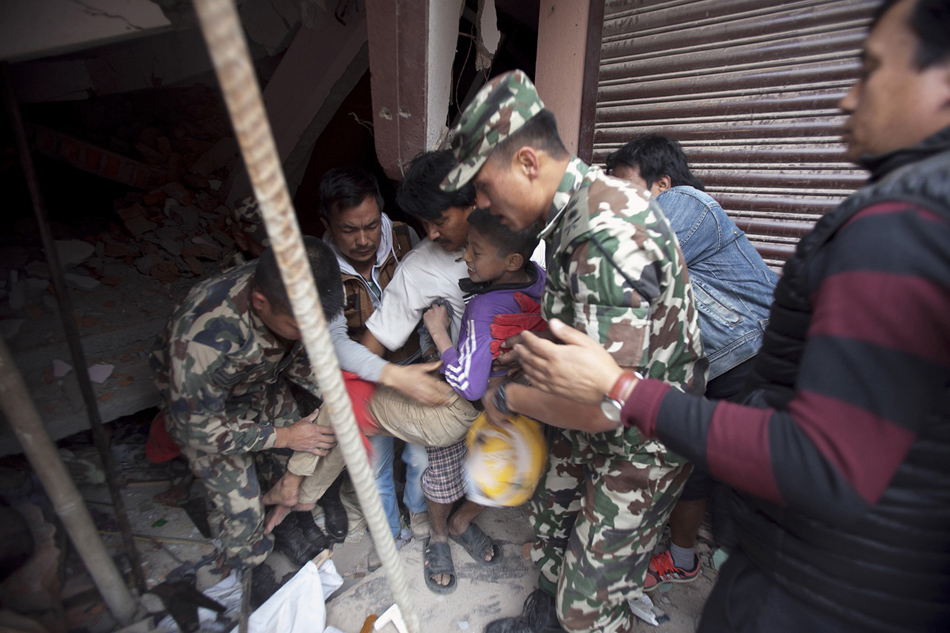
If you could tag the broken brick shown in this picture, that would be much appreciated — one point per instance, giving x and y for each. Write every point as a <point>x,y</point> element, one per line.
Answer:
<point>111,280</point>
<point>164,145</point>
<point>190,250</point>
<point>105,397</point>
<point>194,265</point>
<point>178,192</point>
<point>137,226</point>
<point>88,321</point>
<point>115,248</point>
<point>154,198</point>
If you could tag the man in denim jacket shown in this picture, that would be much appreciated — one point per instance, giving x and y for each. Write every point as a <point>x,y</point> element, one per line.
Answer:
<point>733,291</point>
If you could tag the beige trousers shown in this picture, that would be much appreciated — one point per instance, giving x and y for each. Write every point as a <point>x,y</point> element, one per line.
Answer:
<point>398,416</point>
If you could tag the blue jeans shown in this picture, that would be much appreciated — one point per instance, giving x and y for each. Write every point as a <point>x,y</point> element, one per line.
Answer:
<point>416,462</point>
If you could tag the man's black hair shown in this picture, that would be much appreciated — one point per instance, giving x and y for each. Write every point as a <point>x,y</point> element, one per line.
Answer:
<point>345,188</point>
<point>930,22</point>
<point>540,132</point>
<point>654,157</point>
<point>419,193</point>
<point>326,272</point>
<point>506,241</point>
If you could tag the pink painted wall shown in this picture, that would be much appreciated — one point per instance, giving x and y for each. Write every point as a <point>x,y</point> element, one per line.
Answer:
<point>562,39</point>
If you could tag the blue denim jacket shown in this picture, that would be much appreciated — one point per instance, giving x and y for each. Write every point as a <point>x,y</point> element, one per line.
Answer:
<point>731,283</point>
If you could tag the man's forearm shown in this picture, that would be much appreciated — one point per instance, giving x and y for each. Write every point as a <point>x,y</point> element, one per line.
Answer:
<point>556,411</point>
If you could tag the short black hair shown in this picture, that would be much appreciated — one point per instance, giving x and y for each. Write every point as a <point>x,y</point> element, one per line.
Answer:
<point>656,156</point>
<point>505,240</point>
<point>540,132</point>
<point>326,272</point>
<point>930,22</point>
<point>419,193</point>
<point>345,188</point>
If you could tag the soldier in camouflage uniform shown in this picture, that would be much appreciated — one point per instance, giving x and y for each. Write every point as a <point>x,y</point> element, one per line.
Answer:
<point>615,271</point>
<point>224,368</point>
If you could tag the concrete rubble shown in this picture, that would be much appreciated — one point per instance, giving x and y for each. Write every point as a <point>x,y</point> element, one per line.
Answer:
<point>124,275</point>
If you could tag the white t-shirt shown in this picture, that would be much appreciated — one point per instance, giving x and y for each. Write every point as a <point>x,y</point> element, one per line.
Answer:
<point>425,274</point>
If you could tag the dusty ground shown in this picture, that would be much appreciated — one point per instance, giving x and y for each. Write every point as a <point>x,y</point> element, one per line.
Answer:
<point>169,544</point>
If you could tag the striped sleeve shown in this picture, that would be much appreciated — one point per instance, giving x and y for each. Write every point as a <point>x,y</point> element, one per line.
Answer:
<point>876,365</point>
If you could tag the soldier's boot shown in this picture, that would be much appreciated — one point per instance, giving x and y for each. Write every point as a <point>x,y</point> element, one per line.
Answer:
<point>539,615</point>
<point>289,540</point>
<point>333,511</point>
<point>310,530</point>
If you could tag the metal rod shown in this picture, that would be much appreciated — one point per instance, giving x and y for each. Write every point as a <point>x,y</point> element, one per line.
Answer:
<point>232,63</point>
<point>99,436</point>
<point>67,502</point>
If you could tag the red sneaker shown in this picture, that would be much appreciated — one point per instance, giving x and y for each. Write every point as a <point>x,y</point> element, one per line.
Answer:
<point>662,570</point>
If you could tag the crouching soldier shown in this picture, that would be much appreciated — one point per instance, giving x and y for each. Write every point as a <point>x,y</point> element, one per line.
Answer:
<point>224,368</point>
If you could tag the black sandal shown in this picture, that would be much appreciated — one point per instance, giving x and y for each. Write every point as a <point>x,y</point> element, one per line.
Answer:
<point>476,543</point>
<point>437,560</point>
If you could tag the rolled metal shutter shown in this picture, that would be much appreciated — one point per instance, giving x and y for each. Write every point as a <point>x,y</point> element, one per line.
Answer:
<point>750,88</point>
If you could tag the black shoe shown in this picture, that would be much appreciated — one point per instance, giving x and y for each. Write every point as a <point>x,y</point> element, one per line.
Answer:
<point>310,530</point>
<point>334,513</point>
<point>290,541</point>
<point>538,615</point>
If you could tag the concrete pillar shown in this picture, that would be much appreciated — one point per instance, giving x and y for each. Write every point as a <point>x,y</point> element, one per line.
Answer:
<point>411,50</point>
<point>559,76</point>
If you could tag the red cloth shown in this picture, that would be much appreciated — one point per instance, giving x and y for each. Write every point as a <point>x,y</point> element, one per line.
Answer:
<point>361,392</point>
<point>160,447</point>
<point>504,326</point>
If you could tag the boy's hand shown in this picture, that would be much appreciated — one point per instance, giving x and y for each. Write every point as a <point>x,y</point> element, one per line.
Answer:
<point>436,319</point>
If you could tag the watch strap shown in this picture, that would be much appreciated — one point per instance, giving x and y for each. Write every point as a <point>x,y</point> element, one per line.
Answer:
<point>619,391</point>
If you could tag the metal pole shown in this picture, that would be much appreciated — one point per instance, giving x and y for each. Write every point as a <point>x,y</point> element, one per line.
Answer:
<point>99,437</point>
<point>67,502</point>
<point>232,63</point>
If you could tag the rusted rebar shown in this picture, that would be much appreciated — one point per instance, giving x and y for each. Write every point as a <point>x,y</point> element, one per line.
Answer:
<point>67,502</point>
<point>99,436</point>
<point>232,63</point>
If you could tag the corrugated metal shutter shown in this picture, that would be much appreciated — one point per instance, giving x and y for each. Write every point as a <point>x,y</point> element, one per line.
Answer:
<point>750,88</point>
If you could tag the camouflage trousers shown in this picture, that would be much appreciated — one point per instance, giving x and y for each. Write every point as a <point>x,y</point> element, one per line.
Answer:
<point>598,513</point>
<point>235,483</point>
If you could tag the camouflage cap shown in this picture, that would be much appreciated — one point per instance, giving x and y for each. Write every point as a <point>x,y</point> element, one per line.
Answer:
<point>247,216</point>
<point>500,109</point>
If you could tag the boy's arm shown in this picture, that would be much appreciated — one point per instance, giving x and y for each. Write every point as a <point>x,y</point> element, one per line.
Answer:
<point>468,367</point>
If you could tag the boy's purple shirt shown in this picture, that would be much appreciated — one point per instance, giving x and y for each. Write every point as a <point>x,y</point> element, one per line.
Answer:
<point>468,367</point>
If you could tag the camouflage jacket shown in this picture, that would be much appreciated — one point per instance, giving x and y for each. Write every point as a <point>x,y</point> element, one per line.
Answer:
<point>222,373</point>
<point>616,272</point>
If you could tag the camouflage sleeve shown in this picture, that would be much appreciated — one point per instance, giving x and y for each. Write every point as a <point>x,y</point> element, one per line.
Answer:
<point>197,400</point>
<point>300,372</point>
<point>613,276</point>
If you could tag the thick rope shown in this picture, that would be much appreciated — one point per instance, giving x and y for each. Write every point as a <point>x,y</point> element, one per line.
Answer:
<point>232,63</point>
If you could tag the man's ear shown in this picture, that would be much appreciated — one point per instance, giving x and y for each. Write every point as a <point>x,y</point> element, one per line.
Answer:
<point>515,262</point>
<point>527,161</point>
<point>259,301</point>
<point>326,223</point>
<point>663,184</point>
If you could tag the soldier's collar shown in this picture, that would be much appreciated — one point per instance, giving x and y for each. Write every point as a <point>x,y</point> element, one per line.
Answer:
<point>570,183</point>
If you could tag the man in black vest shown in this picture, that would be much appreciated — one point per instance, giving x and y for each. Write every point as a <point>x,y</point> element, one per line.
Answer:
<point>842,457</point>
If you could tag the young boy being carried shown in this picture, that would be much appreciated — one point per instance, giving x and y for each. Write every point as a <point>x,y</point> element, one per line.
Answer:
<point>504,281</point>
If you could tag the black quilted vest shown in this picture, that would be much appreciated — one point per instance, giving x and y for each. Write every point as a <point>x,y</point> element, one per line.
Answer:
<point>912,519</point>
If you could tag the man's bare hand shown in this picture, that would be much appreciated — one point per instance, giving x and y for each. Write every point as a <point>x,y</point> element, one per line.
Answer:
<point>418,383</point>
<point>581,370</point>
<point>305,435</point>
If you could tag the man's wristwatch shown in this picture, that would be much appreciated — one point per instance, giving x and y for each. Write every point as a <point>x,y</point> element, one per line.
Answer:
<point>500,399</point>
<point>613,401</point>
